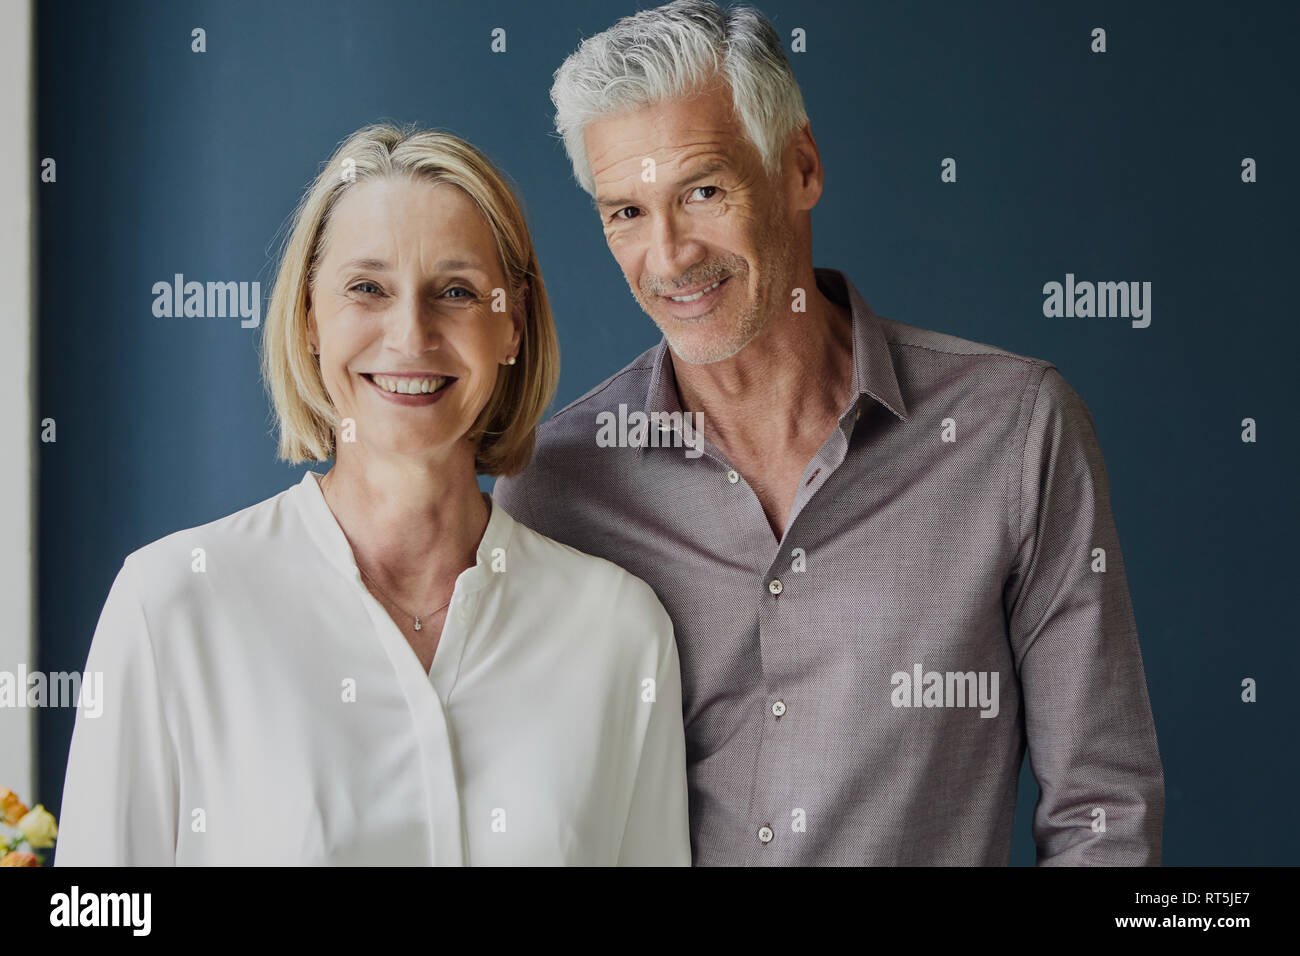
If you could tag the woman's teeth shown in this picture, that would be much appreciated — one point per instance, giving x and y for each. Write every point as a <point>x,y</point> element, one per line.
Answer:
<point>697,295</point>
<point>408,386</point>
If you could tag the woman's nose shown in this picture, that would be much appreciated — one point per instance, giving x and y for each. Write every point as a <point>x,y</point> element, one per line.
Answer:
<point>412,326</point>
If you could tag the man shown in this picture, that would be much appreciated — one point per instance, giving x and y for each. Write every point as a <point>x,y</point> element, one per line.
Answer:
<point>894,566</point>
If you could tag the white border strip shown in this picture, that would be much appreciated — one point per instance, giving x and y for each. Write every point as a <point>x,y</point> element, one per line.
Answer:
<point>18,423</point>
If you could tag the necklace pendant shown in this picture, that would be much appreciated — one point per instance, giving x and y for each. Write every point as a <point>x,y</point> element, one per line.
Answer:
<point>417,625</point>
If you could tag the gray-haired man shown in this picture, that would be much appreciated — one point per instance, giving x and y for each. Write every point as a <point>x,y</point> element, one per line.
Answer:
<point>894,565</point>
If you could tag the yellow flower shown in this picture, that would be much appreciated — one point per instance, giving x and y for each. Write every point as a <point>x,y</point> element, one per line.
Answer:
<point>18,858</point>
<point>39,828</point>
<point>11,808</point>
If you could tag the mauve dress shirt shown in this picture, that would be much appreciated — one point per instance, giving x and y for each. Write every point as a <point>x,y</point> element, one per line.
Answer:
<point>956,525</point>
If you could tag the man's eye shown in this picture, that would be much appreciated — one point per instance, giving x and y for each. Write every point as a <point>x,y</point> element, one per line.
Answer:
<point>366,287</point>
<point>712,191</point>
<point>632,209</point>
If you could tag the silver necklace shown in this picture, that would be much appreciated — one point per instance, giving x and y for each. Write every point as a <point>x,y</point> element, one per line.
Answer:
<point>398,606</point>
<point>417,626</point>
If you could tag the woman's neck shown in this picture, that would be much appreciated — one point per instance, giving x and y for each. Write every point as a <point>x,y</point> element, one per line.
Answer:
<point>413,525</point>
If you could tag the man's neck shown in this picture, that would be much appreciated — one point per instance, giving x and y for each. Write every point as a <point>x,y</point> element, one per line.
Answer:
<point>781,390</point>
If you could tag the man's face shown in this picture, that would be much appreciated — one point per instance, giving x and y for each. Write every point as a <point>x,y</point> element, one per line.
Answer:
<point>701,232</point>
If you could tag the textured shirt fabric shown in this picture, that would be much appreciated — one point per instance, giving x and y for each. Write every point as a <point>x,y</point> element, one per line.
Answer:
<point>949,593</point>
<point>261,707</point>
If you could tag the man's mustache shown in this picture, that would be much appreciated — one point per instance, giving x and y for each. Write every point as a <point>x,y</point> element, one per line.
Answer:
<point>712,272</point>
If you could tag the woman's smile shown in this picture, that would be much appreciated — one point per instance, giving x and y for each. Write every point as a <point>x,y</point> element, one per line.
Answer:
<point>410,390</point>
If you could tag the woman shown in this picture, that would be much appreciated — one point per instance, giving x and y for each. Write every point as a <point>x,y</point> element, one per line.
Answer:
<point>381,666</point>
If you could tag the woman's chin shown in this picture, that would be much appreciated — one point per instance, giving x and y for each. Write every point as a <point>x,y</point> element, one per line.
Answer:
<point>412,443</point>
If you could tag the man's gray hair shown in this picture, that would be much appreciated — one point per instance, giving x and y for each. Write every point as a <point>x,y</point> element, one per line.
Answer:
<point>672,51</point>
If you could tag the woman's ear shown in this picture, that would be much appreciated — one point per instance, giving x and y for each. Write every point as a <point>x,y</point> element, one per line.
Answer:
<point>519,316</point>
<point>312,340</point>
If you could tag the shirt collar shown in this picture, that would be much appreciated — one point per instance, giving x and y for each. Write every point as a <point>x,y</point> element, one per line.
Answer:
<point>873,363</point>
<point>329,537</point>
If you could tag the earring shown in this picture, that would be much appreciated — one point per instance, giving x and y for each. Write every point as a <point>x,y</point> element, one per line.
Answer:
<point>511,360</point>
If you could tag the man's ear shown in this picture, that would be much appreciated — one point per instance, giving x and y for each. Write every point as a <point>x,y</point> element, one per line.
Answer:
<point>808,174</point>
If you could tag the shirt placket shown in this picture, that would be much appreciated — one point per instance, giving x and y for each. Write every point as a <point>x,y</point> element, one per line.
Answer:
<point>785,591</point>
<point>430,724</point>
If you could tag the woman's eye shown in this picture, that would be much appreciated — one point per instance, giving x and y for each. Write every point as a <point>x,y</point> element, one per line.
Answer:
<point>712,190</point>
<point>368,288</point>
<point>459,288</point>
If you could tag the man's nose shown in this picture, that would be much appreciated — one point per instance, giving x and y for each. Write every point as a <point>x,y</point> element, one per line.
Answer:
<point>672,250</point>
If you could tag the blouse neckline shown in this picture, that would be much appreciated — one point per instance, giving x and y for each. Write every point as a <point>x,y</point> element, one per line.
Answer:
<point>330,539</point>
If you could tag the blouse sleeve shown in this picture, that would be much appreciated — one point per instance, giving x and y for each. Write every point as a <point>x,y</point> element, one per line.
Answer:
<point>657,831</point>
<point>120,791</point>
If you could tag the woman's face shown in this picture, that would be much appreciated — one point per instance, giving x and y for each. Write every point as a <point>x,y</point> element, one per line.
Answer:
<point>401,311</point>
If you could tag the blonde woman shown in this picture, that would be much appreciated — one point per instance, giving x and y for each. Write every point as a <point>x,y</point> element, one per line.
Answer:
<point>380,666</point>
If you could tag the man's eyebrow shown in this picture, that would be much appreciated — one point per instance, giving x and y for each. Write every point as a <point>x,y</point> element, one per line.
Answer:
<point>708,169</point>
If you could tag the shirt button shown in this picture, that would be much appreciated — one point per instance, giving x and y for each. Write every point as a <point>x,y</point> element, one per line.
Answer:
<point>765,834</point>
<point>774,586</point>
<point>779,708</point>
<point>733,476</point>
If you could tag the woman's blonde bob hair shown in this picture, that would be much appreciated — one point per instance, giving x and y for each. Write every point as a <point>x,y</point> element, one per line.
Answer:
<point>307,419</point>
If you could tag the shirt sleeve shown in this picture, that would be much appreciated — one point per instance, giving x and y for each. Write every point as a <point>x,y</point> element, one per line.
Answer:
<point>513,494</point>
<point>1091,736</point>
<point>120,791</point>
<point>657,831</point>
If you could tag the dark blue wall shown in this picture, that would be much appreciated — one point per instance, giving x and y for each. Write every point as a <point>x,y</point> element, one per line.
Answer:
<point>1115,166</point>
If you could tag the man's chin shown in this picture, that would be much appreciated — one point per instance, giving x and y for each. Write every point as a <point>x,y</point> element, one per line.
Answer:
<point>713,337</point>
<point>693,351</point>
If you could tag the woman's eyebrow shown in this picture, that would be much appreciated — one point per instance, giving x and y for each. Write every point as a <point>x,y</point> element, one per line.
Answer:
<point>376,264</point>
<point>446,265</point>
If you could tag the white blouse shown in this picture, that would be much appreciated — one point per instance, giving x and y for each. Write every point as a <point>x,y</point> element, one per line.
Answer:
<point>261,707</point>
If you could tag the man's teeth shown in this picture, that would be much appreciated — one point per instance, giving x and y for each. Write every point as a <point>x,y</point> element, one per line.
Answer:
<point>408,386</point>
<point>697,295</point>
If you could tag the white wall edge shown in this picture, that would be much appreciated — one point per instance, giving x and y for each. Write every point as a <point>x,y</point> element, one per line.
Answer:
<point>18,424</point>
